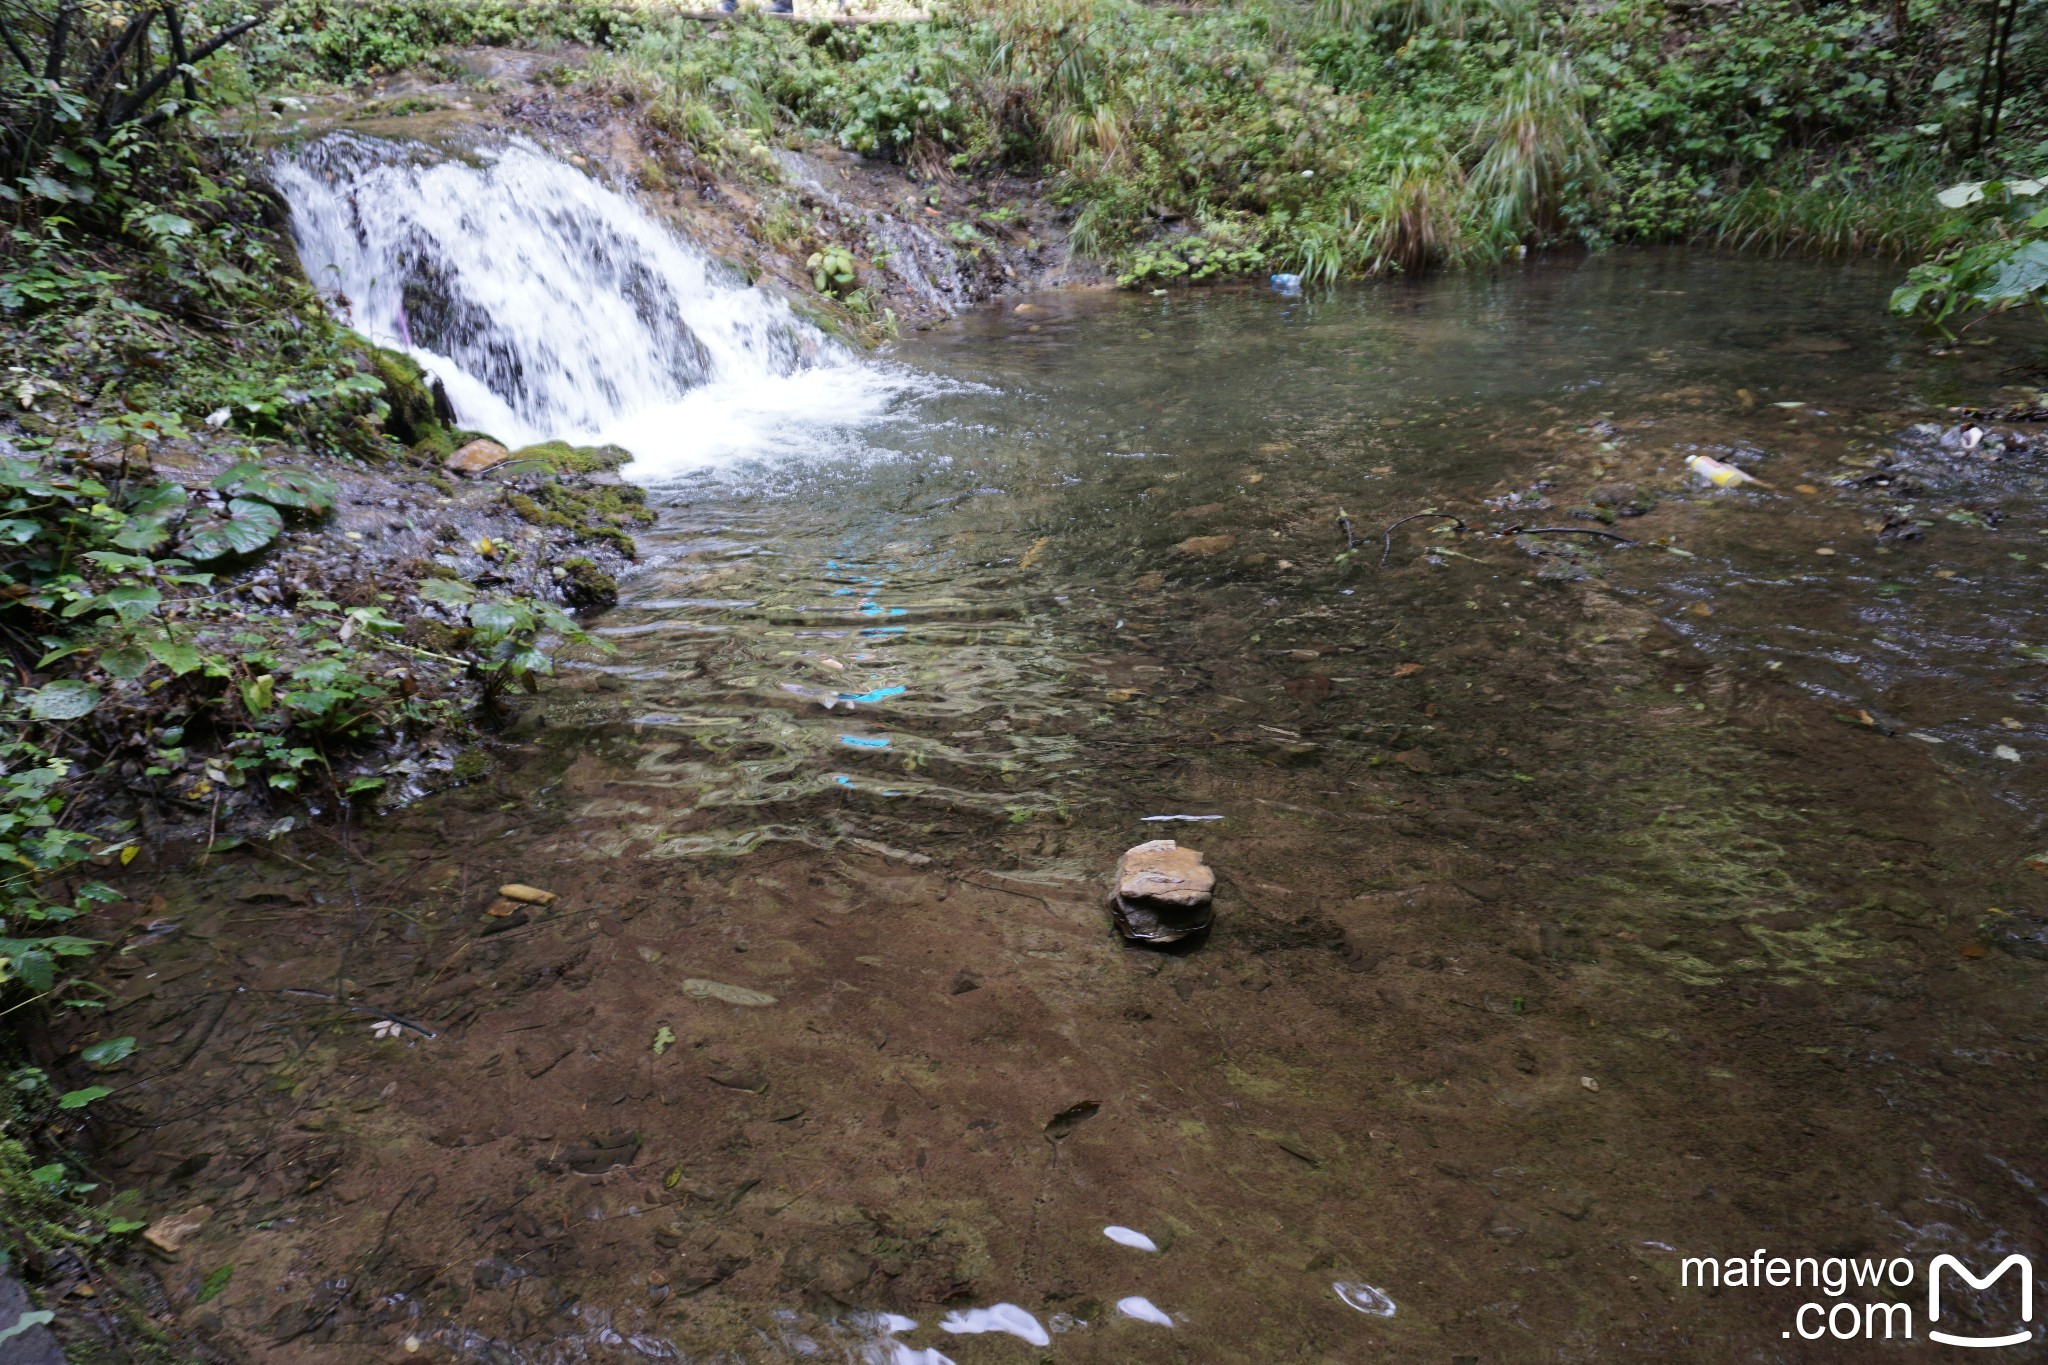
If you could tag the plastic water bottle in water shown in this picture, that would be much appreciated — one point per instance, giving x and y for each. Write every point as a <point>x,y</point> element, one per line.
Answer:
<point>1287,284</point>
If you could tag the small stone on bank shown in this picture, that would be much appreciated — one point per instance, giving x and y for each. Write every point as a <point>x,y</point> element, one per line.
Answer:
<point>478,456</point>
<point>169,1233</point>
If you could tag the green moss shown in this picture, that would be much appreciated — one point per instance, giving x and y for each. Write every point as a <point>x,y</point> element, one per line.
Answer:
<point>563,458</point>
<point>526,509</point>
<point>471,764</point>
<point>588,586</point>
<point>411,418</point>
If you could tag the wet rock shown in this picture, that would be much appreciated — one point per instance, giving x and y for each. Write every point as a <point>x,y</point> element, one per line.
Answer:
<point>478,456</point>
<point>1415,761</point>
<point>1625,499</point>
<point>1290,753</point>
<point>29,1345</point>
<point>1163,893</point>
<point>1206,545</point>
<point>596,1155</point>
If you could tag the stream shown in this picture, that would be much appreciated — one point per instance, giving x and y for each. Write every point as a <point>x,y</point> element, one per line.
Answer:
<point>1586,904</point>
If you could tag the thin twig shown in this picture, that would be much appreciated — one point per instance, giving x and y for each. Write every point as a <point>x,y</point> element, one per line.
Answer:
<point>1565,531</point>
<point>1387,536</point>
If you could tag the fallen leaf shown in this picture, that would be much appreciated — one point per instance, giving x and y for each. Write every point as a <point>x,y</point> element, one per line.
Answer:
<point>1406,670</point>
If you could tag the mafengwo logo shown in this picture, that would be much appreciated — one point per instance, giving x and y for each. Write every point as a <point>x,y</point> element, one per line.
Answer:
<point>1845,1318</point>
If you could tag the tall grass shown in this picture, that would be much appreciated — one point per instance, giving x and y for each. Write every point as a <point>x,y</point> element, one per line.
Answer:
<point>1842,210</point>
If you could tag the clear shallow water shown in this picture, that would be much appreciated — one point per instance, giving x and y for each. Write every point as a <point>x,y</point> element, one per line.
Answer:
<point>1558,934</point>
<point>955,561</point>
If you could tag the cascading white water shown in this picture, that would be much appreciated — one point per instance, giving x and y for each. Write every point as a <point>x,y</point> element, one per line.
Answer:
<point>551,306</point>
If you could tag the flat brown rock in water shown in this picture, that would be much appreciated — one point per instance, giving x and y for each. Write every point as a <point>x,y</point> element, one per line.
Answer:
<point>1206,545</point>
<point>478,456</point>
<point>1163,893</point>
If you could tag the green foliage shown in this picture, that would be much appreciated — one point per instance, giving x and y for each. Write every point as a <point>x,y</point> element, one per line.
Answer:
<point>832,271</point>
<point>1996,258</point>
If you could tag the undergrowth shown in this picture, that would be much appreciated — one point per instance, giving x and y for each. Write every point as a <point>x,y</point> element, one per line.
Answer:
<point>1329,139</point>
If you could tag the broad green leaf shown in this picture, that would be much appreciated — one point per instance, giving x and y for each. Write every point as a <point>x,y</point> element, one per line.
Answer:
<point>65,699</point>
<point>175,655</point>
<point>132,602</point>
<point>127,662</point>
<point>448,592</point>
<point>108,1052</point>
<point>248,526</point>
<point>497,618</point>
<point>78,1099</point>
<point>281,486</point>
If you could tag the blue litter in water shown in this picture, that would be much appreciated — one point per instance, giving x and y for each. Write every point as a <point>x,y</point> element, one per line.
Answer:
<point>879,694</point>
<point>842,779</point>
<point>1287,284</point>
<point>864,741</point>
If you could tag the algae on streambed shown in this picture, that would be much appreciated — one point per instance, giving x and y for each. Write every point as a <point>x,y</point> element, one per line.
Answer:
<point>1552,944</point>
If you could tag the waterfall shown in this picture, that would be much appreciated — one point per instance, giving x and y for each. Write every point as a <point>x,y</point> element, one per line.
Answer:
<point>552,306</point>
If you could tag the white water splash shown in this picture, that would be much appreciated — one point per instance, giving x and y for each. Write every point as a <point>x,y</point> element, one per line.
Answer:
<point>1144,1310</point>
<point>551,306</point>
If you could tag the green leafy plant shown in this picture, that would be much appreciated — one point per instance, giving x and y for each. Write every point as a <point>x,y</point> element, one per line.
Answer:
<point>833,271</point>
<point>1998,260</point>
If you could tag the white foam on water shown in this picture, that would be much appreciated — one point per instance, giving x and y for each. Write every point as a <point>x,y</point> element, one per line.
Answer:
<point>549,305</point>
<point>1004,1317</point>
<point>1365,1298</point>
<point>1144,1310</point>
<point>1130,1237</point>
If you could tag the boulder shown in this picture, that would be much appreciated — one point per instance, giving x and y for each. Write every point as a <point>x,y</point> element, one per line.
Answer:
<point>1163,893</point>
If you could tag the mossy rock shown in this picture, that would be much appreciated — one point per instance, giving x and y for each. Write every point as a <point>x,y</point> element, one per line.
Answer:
<point>587,586</point>
<point>563,458</point>
<point>470,764</point>
<point>412,418</point>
